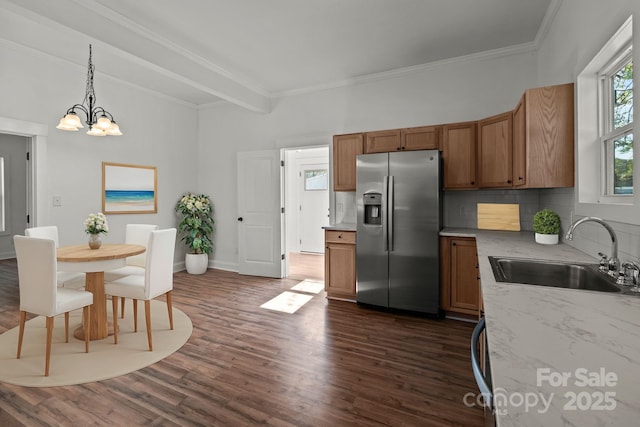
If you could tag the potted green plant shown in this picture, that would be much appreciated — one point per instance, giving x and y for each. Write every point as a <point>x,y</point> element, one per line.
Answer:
<point>546,224</point>
<point>196,227</point>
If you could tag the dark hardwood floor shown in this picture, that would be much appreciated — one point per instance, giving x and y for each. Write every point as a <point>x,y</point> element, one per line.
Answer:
<point>331,363</point>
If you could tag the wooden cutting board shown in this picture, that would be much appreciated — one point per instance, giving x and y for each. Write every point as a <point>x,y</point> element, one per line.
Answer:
<point>497,216</point>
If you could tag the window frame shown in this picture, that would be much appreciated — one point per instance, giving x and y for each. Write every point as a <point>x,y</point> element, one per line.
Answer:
<point>589,198</point>
<point>609,134</point>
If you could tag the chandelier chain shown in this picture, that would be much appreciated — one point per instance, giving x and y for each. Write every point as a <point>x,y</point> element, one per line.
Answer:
<point>90,94</point>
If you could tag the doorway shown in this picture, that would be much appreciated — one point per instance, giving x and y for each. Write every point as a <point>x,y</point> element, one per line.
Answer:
<point>13,190</point>
<point>306,190</point>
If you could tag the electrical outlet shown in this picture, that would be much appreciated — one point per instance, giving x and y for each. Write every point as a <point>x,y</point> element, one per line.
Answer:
<point>57,201</point>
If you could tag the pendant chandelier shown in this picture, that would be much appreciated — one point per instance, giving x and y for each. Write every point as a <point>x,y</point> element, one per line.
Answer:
<point>99,120</point>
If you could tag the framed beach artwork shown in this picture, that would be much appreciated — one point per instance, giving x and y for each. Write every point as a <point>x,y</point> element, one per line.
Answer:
<point>128,189</point>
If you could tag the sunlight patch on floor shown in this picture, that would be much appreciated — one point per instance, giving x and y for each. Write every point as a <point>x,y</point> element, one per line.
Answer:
<point>287,302</point>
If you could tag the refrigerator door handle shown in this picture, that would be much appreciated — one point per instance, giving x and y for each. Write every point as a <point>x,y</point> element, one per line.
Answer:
<point>390,209</point>
<point>385,200</point>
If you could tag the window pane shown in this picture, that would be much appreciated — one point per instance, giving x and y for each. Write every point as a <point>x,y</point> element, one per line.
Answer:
<point>623,96</point>
<point>316,179</point>
<point>623,165</point>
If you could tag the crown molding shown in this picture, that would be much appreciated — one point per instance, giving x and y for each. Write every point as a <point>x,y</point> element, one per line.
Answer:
<point>480,56</point>
<point>549,17</point>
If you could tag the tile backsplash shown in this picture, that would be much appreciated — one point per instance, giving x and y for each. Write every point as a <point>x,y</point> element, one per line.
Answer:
<point>460,210</point>
<point>460,207</point>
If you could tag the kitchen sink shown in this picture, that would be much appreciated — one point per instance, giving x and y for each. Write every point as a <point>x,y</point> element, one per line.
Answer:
<point>552,273</point>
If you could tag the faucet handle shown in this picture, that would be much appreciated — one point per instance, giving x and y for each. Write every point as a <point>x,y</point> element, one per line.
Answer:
<point>635,272</point>
<point>622,276</point>
<point>604,262</point>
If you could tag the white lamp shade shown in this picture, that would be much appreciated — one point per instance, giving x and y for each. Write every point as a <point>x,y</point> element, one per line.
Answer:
<point>103,123</point>
<point>63,126</point>
<point>93,131</point>
<point>114,129</point>
<point>72,120</point>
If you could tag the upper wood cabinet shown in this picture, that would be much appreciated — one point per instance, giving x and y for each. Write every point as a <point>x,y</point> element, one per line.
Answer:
<point>459,155</point>
<point>382,141</point>
<point>418,138</point>
<point>543,155</point>
<point>345,150</point>
<point>494,151</point>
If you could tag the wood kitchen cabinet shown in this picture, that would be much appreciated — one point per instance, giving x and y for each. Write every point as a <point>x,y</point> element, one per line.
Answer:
<point>382,141</point>
<point>495,151</point>
<point>345,150</point>
<point>459,155</point>
<point>409,139</point>
<point>340,264</point>
<point>420,138</point>
<point>459,275</point>
<point>543,139</point>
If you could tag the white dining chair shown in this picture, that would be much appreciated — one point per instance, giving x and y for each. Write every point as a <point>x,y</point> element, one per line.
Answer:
<point>66,279</point>
<point>40,294</point>
<point>135,234</point>
<point>157,280</point>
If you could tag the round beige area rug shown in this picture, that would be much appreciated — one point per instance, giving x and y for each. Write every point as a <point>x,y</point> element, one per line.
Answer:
<point>71,365</point>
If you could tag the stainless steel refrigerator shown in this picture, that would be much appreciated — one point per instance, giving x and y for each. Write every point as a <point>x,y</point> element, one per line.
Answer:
<point>398,205</point>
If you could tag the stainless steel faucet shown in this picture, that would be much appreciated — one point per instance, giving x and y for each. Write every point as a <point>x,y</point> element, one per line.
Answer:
<point>613,262</point>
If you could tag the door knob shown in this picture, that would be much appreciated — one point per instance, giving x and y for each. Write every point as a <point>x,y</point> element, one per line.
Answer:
<point>240,219</point>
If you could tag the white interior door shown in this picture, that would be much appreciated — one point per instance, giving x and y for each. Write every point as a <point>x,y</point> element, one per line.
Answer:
<point>313,211</point>
<point>259,214</point>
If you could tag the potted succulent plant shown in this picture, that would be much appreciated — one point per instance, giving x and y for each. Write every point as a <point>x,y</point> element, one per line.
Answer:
<point>196,227</point>
<point>546,224</point>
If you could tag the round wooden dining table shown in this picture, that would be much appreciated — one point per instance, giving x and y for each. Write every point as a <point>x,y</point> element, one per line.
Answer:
<point>94,262</point>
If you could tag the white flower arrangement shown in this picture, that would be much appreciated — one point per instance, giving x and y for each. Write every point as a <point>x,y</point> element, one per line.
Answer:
<point>197,222</point>
<point>96,224</point>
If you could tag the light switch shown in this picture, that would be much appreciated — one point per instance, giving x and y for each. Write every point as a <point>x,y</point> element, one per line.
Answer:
<point>57,201</point>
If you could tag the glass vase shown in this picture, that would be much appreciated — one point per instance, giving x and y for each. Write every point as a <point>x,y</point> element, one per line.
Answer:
<point>95,241</point>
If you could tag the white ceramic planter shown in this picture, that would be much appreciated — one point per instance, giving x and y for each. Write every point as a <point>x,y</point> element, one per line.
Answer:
<point>196,263</point>
<point>547,239</point>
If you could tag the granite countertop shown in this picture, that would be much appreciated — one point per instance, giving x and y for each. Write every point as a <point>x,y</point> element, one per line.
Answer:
<point>538,334</point>
<point>342,226</point>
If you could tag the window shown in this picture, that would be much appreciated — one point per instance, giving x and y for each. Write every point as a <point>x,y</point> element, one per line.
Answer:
<point>604,136</point>
<point>616,112</point>
<point>316,180</point>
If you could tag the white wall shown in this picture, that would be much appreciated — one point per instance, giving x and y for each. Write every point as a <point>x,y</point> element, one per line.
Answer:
<point>579,31</point>
<point>157,132</point>
<point>460,91</point>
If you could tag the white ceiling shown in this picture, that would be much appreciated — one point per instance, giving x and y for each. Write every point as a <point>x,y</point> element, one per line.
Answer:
<point>248,51</point>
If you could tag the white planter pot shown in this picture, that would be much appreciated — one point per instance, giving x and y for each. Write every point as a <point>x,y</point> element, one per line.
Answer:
<point>196,263</point>
<point>547,239</point>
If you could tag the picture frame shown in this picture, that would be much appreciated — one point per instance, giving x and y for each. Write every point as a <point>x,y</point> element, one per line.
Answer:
<point>129,189</point>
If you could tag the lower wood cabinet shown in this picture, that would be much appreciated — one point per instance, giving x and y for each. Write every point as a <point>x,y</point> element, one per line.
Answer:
<point>459,275</point>
<point>340,264</point>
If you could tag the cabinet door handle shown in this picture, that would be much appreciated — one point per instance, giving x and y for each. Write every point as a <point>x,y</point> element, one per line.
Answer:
<point>508,181</point>
<point>473,183</point>
<point>240,219</point>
